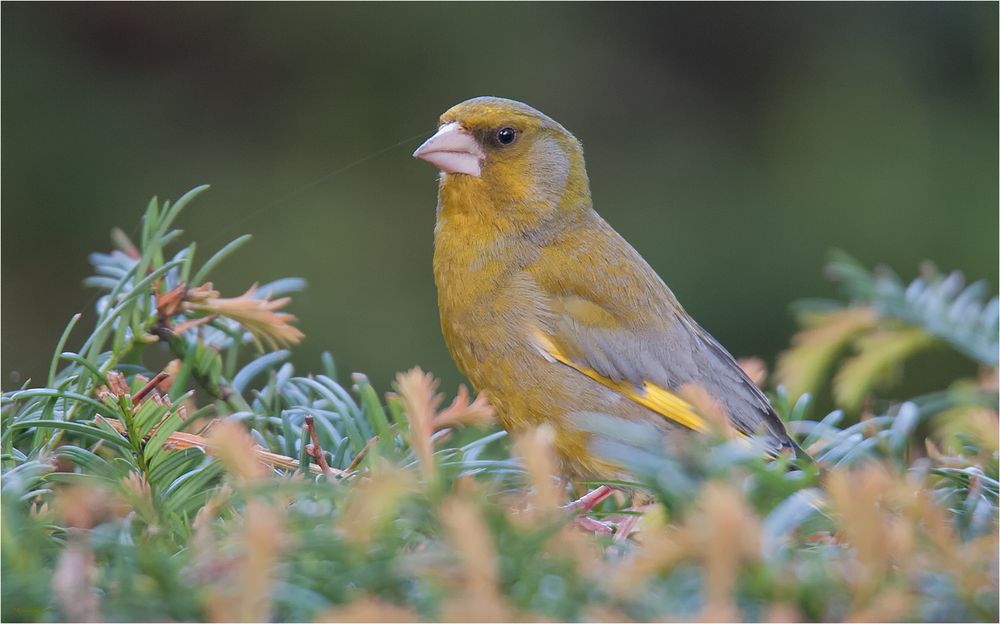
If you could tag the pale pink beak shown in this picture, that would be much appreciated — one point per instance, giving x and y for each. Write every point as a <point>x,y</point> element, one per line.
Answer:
<point>452,150</point>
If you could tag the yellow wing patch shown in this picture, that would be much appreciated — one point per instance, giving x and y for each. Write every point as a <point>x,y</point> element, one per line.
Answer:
<point>656,398</point>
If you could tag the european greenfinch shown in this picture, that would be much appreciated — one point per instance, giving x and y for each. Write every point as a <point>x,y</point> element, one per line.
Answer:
<point>548,310</point>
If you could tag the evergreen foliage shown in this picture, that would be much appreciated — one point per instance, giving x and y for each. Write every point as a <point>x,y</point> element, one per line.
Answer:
<point>175,467</point>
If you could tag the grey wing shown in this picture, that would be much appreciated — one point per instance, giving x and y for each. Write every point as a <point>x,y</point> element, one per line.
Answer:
<point>724,379</point>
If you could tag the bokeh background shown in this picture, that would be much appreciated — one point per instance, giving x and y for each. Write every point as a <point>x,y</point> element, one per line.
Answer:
<point>732,144</point>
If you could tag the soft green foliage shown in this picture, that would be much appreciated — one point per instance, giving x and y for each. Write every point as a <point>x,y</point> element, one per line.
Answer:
<point>884,323</point>
<point>201,493</point>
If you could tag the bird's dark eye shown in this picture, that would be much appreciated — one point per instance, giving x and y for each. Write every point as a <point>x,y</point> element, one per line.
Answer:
<point>506,136</point>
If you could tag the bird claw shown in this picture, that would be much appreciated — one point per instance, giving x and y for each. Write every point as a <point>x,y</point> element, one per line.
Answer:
<point>590,500</point>
<point>594,526</point>
<point>585,504</point>
<point>626,527</point>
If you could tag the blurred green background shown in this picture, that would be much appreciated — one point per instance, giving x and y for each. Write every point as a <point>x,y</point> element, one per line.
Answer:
<point>733,145</point>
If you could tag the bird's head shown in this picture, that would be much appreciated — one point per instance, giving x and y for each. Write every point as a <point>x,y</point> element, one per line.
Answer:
<point>509,151</point>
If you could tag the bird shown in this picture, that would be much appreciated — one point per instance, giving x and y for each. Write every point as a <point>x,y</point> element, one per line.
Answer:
<point>551,313</point>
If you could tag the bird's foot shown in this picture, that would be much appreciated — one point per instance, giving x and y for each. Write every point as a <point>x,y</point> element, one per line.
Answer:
<point>590,500</point>
<point>626,527</point>
<point>583,505</point>
<point>593,526</point>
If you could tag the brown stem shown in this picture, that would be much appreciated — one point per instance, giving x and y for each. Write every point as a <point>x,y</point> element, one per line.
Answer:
<point>149,387</point>
<point>315,450</point>
<point>357,458</point>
